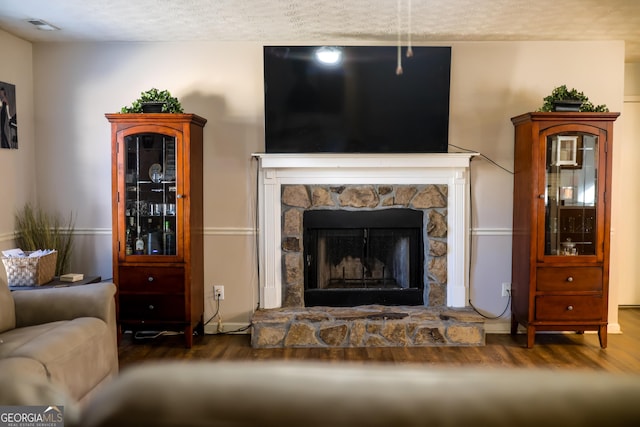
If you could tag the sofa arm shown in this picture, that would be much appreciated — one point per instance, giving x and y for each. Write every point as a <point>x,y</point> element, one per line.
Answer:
<point>34,307</point>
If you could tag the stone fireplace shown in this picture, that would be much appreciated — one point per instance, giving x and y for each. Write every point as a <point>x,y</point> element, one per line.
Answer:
<point>296,187</point>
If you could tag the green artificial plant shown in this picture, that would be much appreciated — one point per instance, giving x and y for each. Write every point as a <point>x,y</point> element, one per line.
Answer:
<point>561,93</point>
<point>37,229</point>
<point>171,103</point>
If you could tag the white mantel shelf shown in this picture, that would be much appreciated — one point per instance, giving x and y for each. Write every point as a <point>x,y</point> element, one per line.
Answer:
<point>277,169</point>
<point>363,160</point>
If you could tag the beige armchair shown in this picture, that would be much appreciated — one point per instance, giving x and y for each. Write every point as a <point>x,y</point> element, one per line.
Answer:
<point>66,335</point>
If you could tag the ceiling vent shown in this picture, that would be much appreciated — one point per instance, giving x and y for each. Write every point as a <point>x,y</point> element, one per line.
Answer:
<point>42,25</point>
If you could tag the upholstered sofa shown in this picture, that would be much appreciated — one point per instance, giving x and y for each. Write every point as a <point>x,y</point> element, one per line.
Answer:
<point>294,394</point>
<point>66,336</point>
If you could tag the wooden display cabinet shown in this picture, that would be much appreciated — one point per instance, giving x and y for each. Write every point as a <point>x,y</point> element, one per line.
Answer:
<point>157,212</point>
<point>561,222</point>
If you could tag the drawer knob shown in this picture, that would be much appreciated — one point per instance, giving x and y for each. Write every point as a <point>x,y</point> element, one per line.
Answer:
<point>570,308</point>
<point>150,278</point>
<point>569,279</point>
<point>151,307</point>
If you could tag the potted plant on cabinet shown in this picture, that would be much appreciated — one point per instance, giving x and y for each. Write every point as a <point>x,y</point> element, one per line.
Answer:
<point>154,101</point>
<point>563,99</point>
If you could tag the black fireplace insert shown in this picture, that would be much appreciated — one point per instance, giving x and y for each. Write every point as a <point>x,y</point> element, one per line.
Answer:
<point>363,257</point>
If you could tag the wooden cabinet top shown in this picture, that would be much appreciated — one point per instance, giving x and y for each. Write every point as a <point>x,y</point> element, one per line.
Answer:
<point>153,118</point>
<point>564,116</point>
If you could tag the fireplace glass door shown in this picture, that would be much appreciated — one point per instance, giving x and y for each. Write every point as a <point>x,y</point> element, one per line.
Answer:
<point>367,257</point>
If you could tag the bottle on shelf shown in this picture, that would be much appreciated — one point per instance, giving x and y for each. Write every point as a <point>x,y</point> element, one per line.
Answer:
<point>139,248</point>
<point>169,239</point>
<point>129,243</point>
<point>154,239</point>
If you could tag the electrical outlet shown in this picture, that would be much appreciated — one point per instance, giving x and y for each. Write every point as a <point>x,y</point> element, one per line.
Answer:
<point>218,292</point>
<point>506,289</point>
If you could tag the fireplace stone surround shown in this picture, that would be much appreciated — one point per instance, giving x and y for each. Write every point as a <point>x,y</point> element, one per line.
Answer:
<point>430,199</point>
<point>290,183</point>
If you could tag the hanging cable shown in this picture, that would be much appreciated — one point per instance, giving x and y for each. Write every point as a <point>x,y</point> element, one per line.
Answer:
<point>492,317</point>
<point>409,48</point>
<point>483,156</point>
<point>214,314</point>
<point>399,67</point>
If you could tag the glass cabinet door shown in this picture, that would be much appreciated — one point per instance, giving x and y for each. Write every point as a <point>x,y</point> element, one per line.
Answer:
<point>150,188</point>
<point>571,197</point>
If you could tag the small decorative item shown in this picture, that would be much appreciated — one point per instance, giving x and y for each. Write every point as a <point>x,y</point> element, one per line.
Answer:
<point>154,101</point>
<point>33,268</point>
<point>567,150</point>
<point>563,99</point>
<point>566,194</point>
<point>155,173</point>
<point>569,248</point>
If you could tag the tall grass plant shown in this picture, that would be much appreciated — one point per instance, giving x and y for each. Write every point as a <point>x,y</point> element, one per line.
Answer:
<point>37,229</point>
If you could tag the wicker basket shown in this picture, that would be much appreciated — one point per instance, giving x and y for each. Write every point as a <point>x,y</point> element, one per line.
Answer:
<point>35,271</point>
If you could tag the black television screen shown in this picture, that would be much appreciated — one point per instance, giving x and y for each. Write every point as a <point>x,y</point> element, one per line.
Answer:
<point>360,104</point>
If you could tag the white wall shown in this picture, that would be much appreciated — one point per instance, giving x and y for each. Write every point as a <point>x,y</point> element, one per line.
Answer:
<point>17,167</point>
<point>491,82</point>
<point>629,197</point>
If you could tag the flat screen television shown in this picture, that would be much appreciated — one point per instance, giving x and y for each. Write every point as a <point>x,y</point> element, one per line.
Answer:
<point>360,104</point>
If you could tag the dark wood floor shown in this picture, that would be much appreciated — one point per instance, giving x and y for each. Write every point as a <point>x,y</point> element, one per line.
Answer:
<point>553,351</point>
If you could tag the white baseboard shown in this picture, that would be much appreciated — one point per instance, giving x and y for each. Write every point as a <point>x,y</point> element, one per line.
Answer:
<point>497,326</point>
<point>504,327</point>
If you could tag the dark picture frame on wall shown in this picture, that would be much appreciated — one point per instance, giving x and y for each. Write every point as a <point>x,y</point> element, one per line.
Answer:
<point>8,116</point>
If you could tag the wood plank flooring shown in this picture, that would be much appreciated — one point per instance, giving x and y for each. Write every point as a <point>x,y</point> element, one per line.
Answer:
<point>552,351</point>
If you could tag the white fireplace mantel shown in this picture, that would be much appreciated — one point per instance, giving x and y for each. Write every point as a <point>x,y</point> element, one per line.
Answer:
<point>275,170</point>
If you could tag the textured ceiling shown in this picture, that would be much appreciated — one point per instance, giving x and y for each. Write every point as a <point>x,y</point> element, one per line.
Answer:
<point>328,21</point>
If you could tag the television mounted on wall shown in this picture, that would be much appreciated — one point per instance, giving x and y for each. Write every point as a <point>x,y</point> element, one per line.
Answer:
<point>358,104</point>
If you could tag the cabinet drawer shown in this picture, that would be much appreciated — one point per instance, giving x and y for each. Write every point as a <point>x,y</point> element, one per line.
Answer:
<point>151,279</point>
<point>152,307</point>
<point>569,308</point>
<point>569,279</point>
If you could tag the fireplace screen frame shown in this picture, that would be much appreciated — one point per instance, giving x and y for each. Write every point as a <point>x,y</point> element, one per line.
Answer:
<point>404,223</point>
